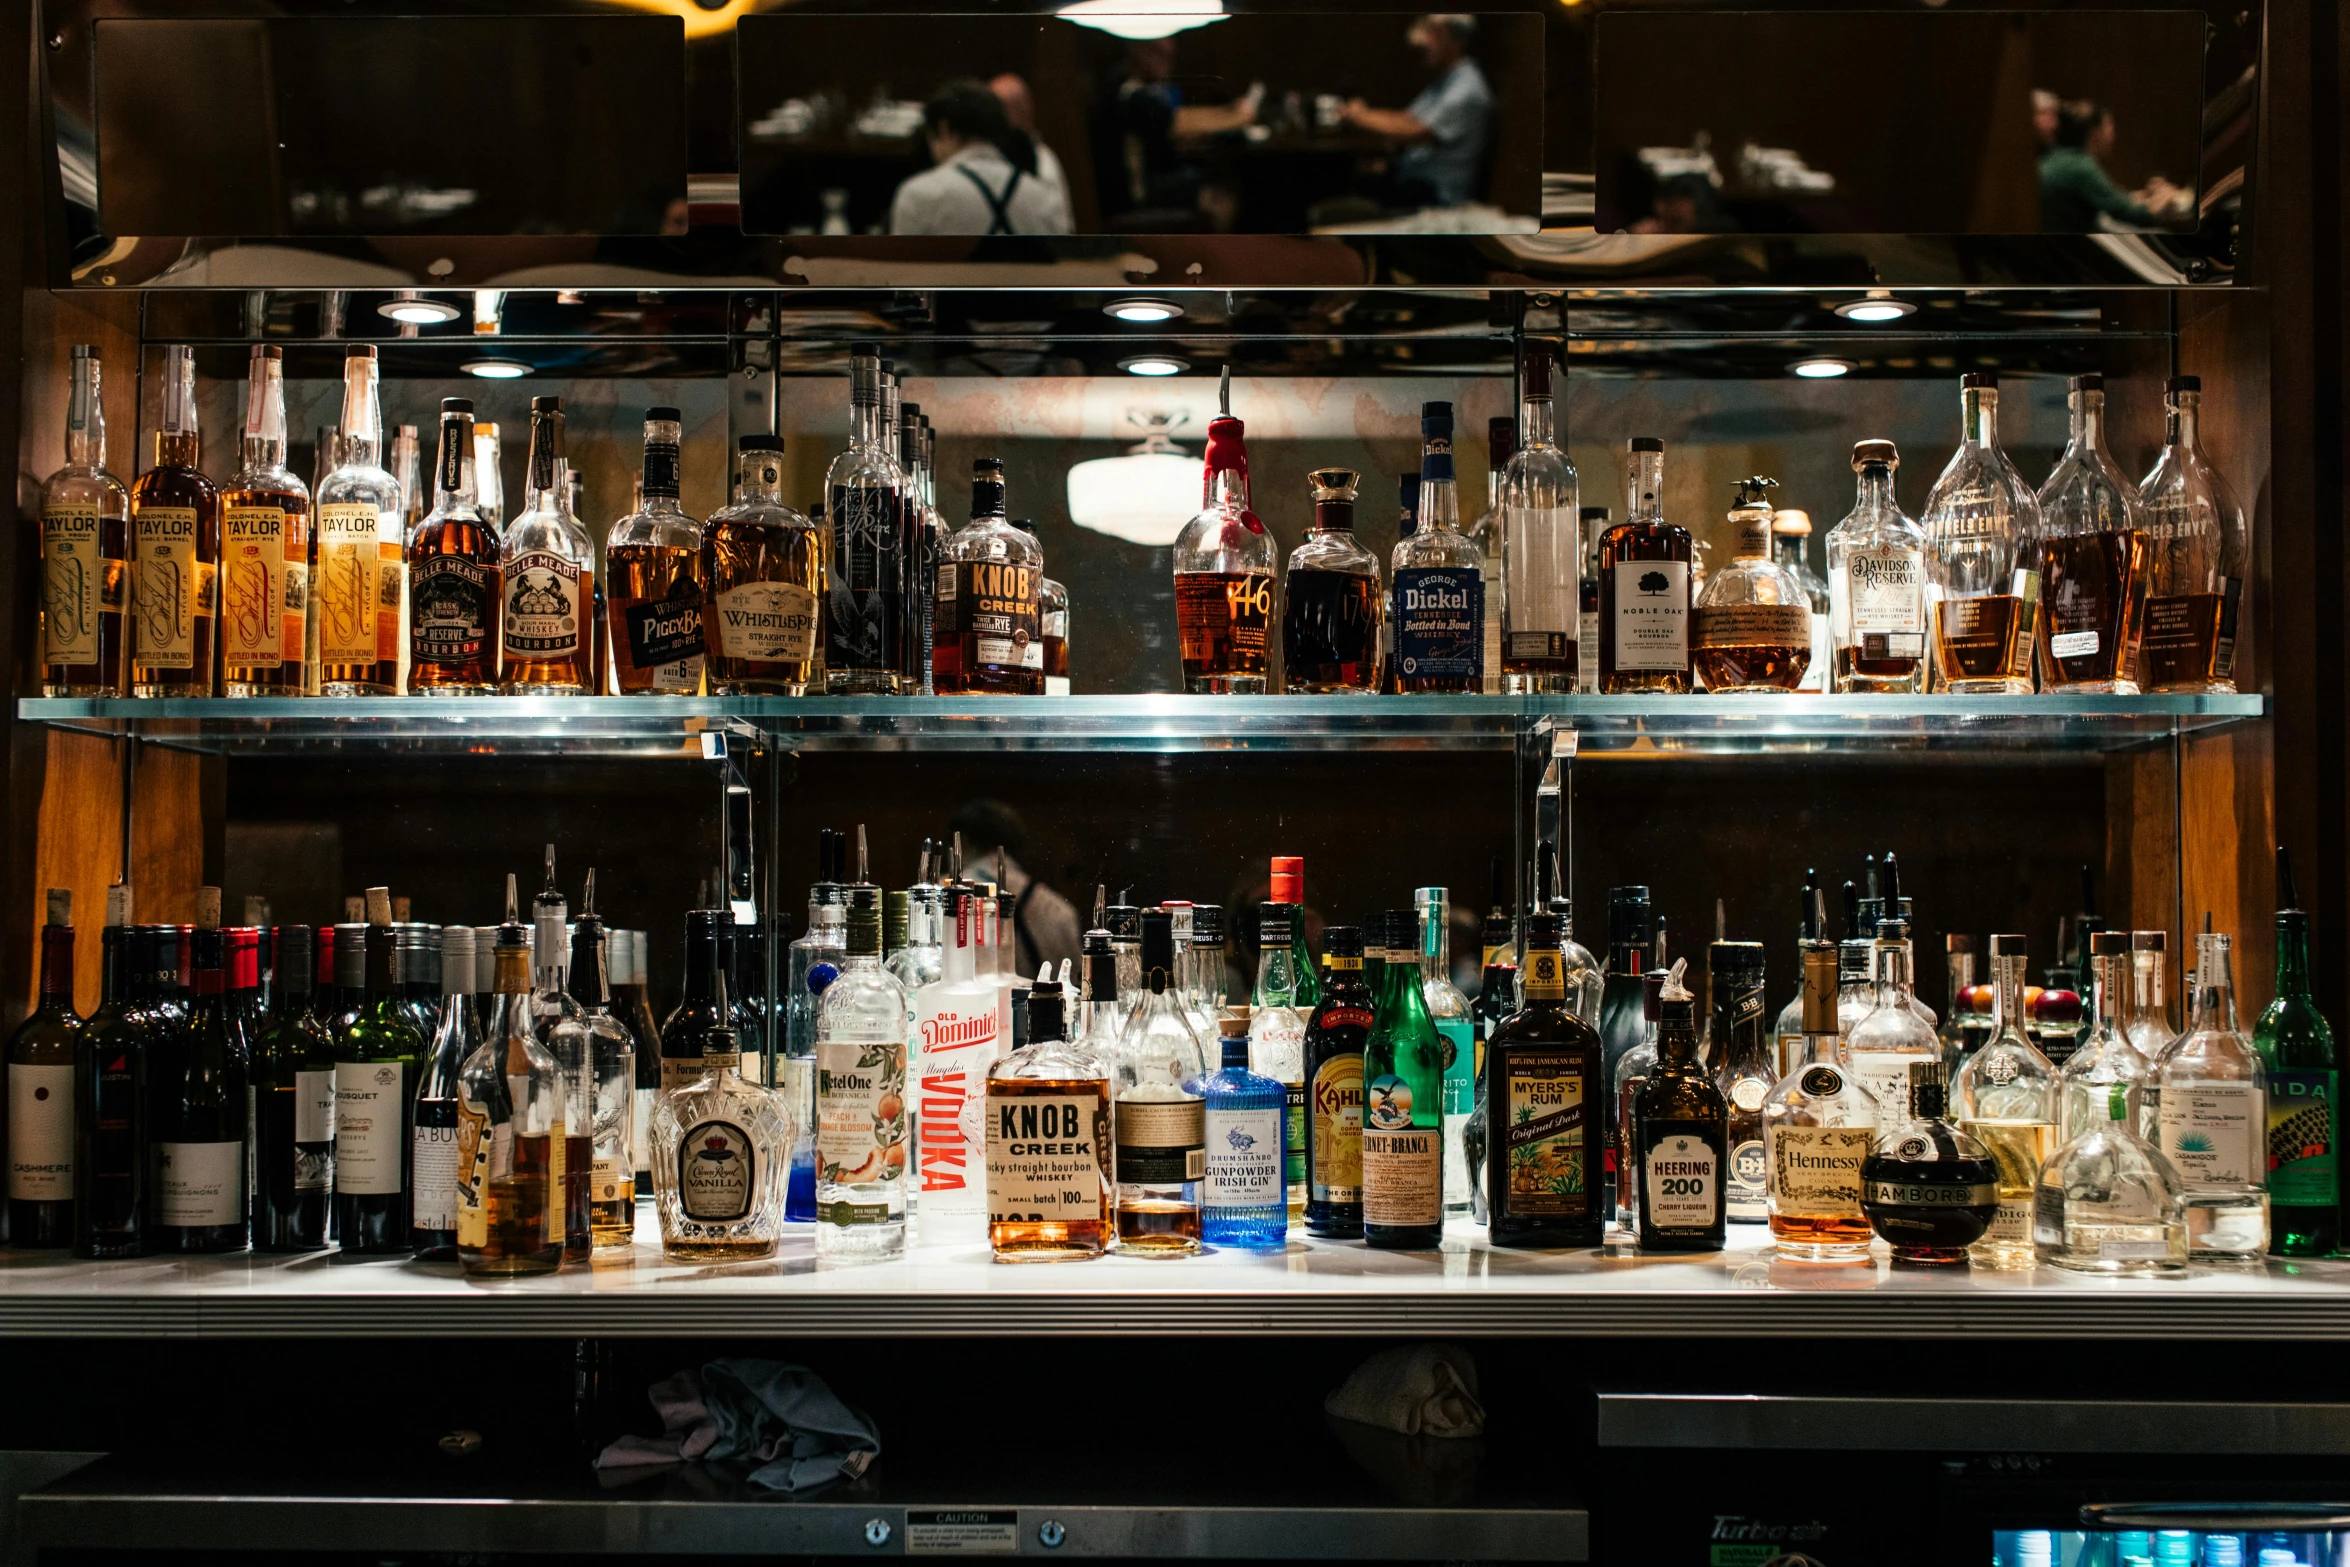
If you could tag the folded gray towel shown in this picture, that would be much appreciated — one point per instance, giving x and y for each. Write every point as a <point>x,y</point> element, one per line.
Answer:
<point>1417,1390</point>
<point>781,1417</point>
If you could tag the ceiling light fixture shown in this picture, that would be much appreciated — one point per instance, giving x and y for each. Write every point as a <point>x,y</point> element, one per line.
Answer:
<point>1143,310</point>
<point>1139,19</point>
<point>1821,369</point>
<point>1874,306</point>
<point>410,308</point>
<point>497,369</point>
<point>1144,496</point>
<point>1153,364</point>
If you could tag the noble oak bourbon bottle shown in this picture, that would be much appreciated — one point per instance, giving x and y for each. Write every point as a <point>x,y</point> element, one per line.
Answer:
<point>85,541</point>
<point>1224,578</point>
<point>453,567</point>
<point>988,635</point>
<point>1644,586</point>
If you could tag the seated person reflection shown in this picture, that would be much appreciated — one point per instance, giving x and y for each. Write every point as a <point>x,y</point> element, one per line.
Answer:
<point>985,176</point>
<point>2075,190</point>
<point>1011,90</point>
<point>1149,145</point>
<point>1443,136</point>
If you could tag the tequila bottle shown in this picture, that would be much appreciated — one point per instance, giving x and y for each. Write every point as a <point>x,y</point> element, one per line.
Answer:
<point>1049,1191</point>
<point>357,587</point>
<point>2092,560</point>
<point>2296,1047</point>
<point>85,551</point>
<point>549,565</point>
<point>2214,1119</point>
<point>1877,583</point>
<point>653,568</point>
<point>1819,1125</point>
<point>2198,558</point>
<point>1644,586</point>
<point>1331,609</point>
<point>862,1130</point>
<point>1540,546</point>
<point>2105,1059</point>
<point>264,549</point>
<point>1929,1188</point>
<point>764,567</point>
<point>1223,563</point>
<point>1244,1202</point>
<point>509,1114</point>
<point>1440,606</point>
<point>1159,1121</point>
<point>1456,1028</point>
<point>2149,1027</point>
<point>1277,1041</point>
<point>2107,1202</point>
<point>453,562</point>
<point>2007,1101</point>
<point>1751,629</point>
<point>720,1145</point>
<point>869,648</point>
<point>175,550</point>
<point>1982,526</point>
<point>1889,1038</point>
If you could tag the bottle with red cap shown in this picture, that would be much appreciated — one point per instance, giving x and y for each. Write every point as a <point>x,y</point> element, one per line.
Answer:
<point>1289,887</point>
<point>1224,577</point>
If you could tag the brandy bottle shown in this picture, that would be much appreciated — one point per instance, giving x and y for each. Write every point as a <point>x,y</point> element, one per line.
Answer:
<point>85,540</point>
<point>2092,560</point>
<point>1330,603</point>
<point>653,569</point>
<point>2197,559</point>
<point>175,548</point>
<point>1982,527</point>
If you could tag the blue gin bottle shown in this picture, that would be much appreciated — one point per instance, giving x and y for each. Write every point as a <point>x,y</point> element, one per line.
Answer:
<point>1245,1199</point>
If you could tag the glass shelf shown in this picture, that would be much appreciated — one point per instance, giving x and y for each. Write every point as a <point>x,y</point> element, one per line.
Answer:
<point>1614,727</point>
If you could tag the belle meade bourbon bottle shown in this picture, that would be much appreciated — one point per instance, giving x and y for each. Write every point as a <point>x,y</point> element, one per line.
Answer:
<point>453,562</point>
<point>987,636</point>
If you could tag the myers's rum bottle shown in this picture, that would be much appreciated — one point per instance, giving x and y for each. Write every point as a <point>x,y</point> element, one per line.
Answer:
<point>453,566</point>
<point>1224,578</point>
<point>264,549</point>
<point>175,550</point>
<point>549,567</point>
<point>653,568</point>
<point>988,635</point>
<point>358,511</point>
<point>85,539</point>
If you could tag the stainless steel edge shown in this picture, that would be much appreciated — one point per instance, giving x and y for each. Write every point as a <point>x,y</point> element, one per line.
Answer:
<point>1969,1425</point>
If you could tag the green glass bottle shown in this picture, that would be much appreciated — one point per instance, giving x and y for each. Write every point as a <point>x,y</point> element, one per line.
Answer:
<point>1301,964</point>
<point>1403,1109</point>
<point>376,1059</point>
<point>2297,1053</point>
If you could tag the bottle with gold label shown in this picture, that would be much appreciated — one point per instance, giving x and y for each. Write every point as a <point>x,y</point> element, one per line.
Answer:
<point>763,572</point>
<point>509,1116</point>
<point>653,571</point>
<point>85,538</point>
<point>1546,1097</point>
<point>1751,629</point>
<point>1818,1126</point>
<point>360,549</point>
<point>549,564</point>
<point>264,549</point>
<point>453,558</point>
<point>175,550</point>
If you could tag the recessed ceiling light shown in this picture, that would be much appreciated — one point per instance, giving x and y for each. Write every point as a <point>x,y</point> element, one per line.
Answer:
<point>1875,307</point>
<point>1153,364</point>
<point>1143,309</point>
<point>414,309</point>
<point>1821,369</point>
<point>497,369</point>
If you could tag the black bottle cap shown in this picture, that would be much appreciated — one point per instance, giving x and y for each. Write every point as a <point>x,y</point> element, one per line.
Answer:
<point>1158,947</point>
<point>1207,924</point>
<point>457,405</point>
<point>1436,418</point>
<point>2086,383</point>
<point>1544,930</point>
<point>1047,1012</point>
<point>295,955</point>
<point>2183,383</point>
<point>758,443</point>
<point>545,405</point>
<point>1652,994</point>
<point>1978,379</point>
<point>663,416</point>
<point>865,350</point>
<point>1647,443</point>
<point>1273,925</point>
<point>1735,960</point>
<point>1595,514</point>
<point>1342,941</point>
<point>1124,921</point>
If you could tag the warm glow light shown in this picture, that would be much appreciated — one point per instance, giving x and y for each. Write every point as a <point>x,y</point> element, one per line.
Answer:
<point>1143,309</point>
<point>498,369</point>
<point>1153,364</point>
<point>1821,369</point>
<point>700,21</point>
<point>1875,307</point>
<point>413,309</point>
<point>1143,497</point>
<point>1144,18</point>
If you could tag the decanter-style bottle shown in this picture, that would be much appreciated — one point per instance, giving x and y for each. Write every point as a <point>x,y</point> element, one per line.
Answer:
<point>2105,1059</point>
<point>2007,1101</point>
<point>2198,556</point>
<point>988,631</point>
<point>1982,526</point>
<point>1929,1188</point>
<point>1818,1128</point>
<point>1752,626</point>
<point>1541,546</point>
<point>1877,583</point>
<point>863,1133</point>
<point>85,551</point>
<point>1440,606</point>
<point>2214,1119</point>
<point>2107,1202</point>
<point>1049,1192</point>
<point>2092,560</point>
<point>1161,1133</point>
<point>1224,577</point>
<point>720,1148</point>
<point>1644,587</point>
<point>1331,603</point>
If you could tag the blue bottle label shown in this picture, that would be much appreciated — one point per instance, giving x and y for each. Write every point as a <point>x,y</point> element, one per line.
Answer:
<point>1439,622</point>
<point>1245,1158</point>
<point>1460,1065</point>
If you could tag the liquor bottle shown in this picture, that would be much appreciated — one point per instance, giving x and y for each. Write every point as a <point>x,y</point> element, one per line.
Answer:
<point>545,562</point>
<point>1889,1038</point>
<point>85,539</point>
<point>1818,1125</point>
<point>110,1155</point>
<point>1877,584</point>
<point>2150,1026</point>
<point>1497,974</point>
<point>2214,1119</point>
<point>1456,1030</point>
<point>1541,547</point>
<point>1787,1047</point>
<point>360,551</point>
<point>1791,550</point>
<point>2107,1203</point>
<point>196,1077</point>
<point>405,461</point>
<point>556,1019</point>
<point>1982,525</point>
<point>1288,886</point>
<point>1223,563</point>
<point>41,1055</point>
<point>375,1062</point>
<point>1644,588</point>
<point>862,1133</point>
<point>1160,1134</point>
<point>453,562</point>
<point>1277,1041</point>
<point>1680,1138</point>
<point>653,565</point>
<point>1751,628</point>
<point>985,626</point>
<point>2006,1099</point>
<point>1929,1188</point>
<point>1501,444</point>
<point>609,1049</point>
<point>633,1005</point>
<point>175,550</point>
<point>1440,604</point>
<point>2105,1059</point>
<point>957,1037</point>
<point>1960,1032</point>
<point>1244,1197</point>
<point>686,1032</point>
<point>1123,920</point>
<point>1622,1019</point>
<point>720,1146</point>
<point>509,1117</point>
<point>763,569</point>
<point>1403,1104</point>
<point>489,479</point>
<point>1204,976</point>
<point>1101,1015</point>
<point>2296,1047</point>
<point>1336,1032</point>
<point>1052,616</point>
<point>1407,523</point>
<point>1048,1142</point>
<point>1744,1069</point>
<point>917,958</point>
<point>2197,558</point>
<point>2092,560</point>
<point>1547,1087</point>
<point>811,963</point>
<point>869,648</point>
<point>264,549</point>
<point>1591,526</point>
<point>1331,608</point>
<point>923,549</point>
<point>435,1174</point>
<point>293,1074</point>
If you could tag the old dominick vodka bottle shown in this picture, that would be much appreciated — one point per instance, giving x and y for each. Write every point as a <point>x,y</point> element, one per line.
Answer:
<point>264,549</point>
<point>175,550</point>
<point>957,1026</point>
<point>1983,563</point>
<point>868,646</point>
<point>653,570</point>
<point>762,627</point>
<point>358,512</point>
<point>988,635</point>
<point>1644,586</point>
<point>1541,548</point>
<point>2197,559</point>
<point>2092,560</point>
<point>453,567</point>
<point>1877,584</point>
<point>548,562</point>
<point>85,539</point>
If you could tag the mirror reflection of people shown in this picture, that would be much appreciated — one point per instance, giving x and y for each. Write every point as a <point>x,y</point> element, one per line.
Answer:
<point>1011,90</point>
<point>1044,924</point>
<point>1442,136</point>
<point>2075,190</point>
<point>983,178</point>
<point>1150,150</point>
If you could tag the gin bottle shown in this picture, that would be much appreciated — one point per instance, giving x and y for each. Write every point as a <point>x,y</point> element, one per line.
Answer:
<point>1541,547</point>
<point>2006,1100</point>
<point>868,648</point>
<point>1644,586</point>
<point>2092,560</point>
<point>1244,1201</point>
<point>2106,1202</point>
<point>2296,1047</point>
<point>862,1131</point>
<point>1818,1125</point>
<point>2105,1059</point>
<point>2214,1119</point>
<point>264,549</point>
<point>85,551</point>
<point>1751,629</point>
<point>1223,562</point>
<point>356,590</point>
<point>1877,583</point>
<point>1049,1191</point>
<point>549,565</point>
<point>1277,1041</point>
<point>1982,526</point>
<point>509,1114</point>
<point>1456,1028</point>
<point>1159,1114</point>
<point>1440,604</point>
<point>2197,558</point>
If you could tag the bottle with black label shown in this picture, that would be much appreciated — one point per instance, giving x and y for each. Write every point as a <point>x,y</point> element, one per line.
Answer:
<point>653,572</point>
<point>1439,594</point>
<point>454,575</point>
<point>1335,1036</point>
<point>1546,1094</point>
<point>987,636</point>
<point>1743,1069</point>
<point>1680,1138</point>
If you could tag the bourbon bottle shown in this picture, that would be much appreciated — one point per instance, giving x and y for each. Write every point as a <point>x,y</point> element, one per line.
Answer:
<point>358,515</point>
<point>1048,1142</point>
<point>2197,559</point>
<point>548,564</point>
<point>1982,527</point>
<point>763,572</point>
<point>456,581</point>
<point>988,635</point>
<point>1224,578</point>
<point>1644,586</point>
<point>175,538</point>
<point>85,539</point>
<point>264,548</point>
<point>653,567</point>
<point>1331,604</point>
<point>1751,631</point>
<point>2092,560</point>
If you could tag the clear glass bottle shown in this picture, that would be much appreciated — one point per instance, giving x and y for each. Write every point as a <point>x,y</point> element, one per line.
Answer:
<point>1205,984</point>
<point>1277,1040</point>
<point>1244,1199</point>
<point>2296,1046</point>
<point>1644,586</point>
<point>1540,545</point>
<point>453,564</point>
<point>609,1049</point>
<point>1048,1142</point>
<point>509,1113</point>
<point>1877,583</point>
<point>362,545</point>
<point>1440,606</point>
<point>1751,628</point>
<point>2092,560</point>
<point>549,564</point>
<point>720,1148</point>
<point>957,1039</point>
<point>2006,1100</point>
<point>2107,1202</point>
<point>987,630</point>
<point>1593,525</point>
<point>1456,1026</point>
<point>556,1016</point>
<point>433,1162</point>
<point>2214,1119</point>
<point>264,549</point>
<point>1331,604</point>
<point>1889,1038</point>
<point>175,550</point>
<point>85,551</point>
<point>2198,557</point>
<point>869,647</point>
<point>763,564</point>
<point>1501,444</point>
<point>1224,564</point>
<point>653,571</point>
<point>862,1131</point>
<point>1819,1126</point>
<point>1982,525</point>
<point>1791,548</point>
<point>2105,1059</point>
<point>489,476</point>
<point>1929,1188</point>
<point>1159,1119</point>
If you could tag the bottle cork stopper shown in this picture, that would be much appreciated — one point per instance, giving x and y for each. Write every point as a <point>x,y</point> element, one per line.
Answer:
<point>118,904</point>
<point>208,908</point>
<point>400,907</point>
<point>379,905</point>
<point>61,906</point>
<point>256,909</point>
<point>354,911</point>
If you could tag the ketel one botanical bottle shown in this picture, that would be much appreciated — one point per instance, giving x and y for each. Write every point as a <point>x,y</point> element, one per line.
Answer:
<point>986,637</point>
<point>2296,1047</point>
<point>1547,1095</point>
<point>653,571</point>
<point>453,608</point>
<point>1403,1105</point>
<point>1440,603</point>
<point>356,590</point>
<point>2197,559</point>
<point>85,560</point>
<point>1818,1124</point>
<point>548,564</point>
<point>1751,629</point>
<point>1224,577</point>
<point>1644,586</point>
<point>1877,583</point>
<point>1680,1139</point>
<point>1330,606</point>
<point>1335,1036</point>
<point>1048,1142</point>
<point>175,550</point>
<point>862,1130</point>
<point>1159,1124</point>
<point>763,564</point>
<point>264,549</point>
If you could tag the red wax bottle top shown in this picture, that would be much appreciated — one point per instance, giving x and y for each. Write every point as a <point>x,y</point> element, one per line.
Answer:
<point>1289,878</point>
<point>1228,453</point>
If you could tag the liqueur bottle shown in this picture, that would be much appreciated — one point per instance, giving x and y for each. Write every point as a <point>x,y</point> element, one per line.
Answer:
<point>2197,558</point>
<point>1048,1142</point>
<point>987,632</point>
<point>605,1043</point>
<point>1244,1197</point>
<point>2296,1047</point>
<point>1644,587</point>
<point>2214,1119</point>
<point>293,1073</point>
<point>2106,1202</point>
<point>653,565</point>
<point>1288,883</point>
<point>2092,560</point>
<point>1877,584</point>
<point>1680,1138</point>
<point>1540,546</point>
<point>686,1033</point>
<point>199,1103</point>
<point>456,583</point>
<point>509,1115</point>
<point>356,589</point>
<point>1337,1031</point>
<point>1791,548</point>
<point>1929,1188</point>
<point>862,1130</point>
<point>1623,1021</point>
<point>435,1175</point>
<point>264,549</point>
<point>2006,1100</point>
<point>1440,604</point>
<point>175,550</point>
<point>1744,1069</point>
<point>110,1153</point>
<point>1751,629</point>
<point>1547,1092</point>
<point>41,1056</point>
<point>720,1146</point>
<point>1982,526</point>
<point>1403,1106</point>
<point>764,572</point>
<point>869,646</point>
<point>1158,1120</point>
<point>2105,1059</point>
<point>1889,1038</point>
<point>1277,1041</point>
<point>1224,577</point>
<point>1818,1125</point>
<point>546,566</point>
<point>85,551</point>
<point>1456,1030</point>
<point>958,1024</point>
<point>376,1059</point>
<point>1331,603</point>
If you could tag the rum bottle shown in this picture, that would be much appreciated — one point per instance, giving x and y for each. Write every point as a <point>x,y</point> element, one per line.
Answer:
<point>2092,560</point>
<point>1224,578</point>
<point>1546,1092</point>
<point>1440,604</point>
<point>870,646</point>
<point>2197,558</point>
<point>509,1113</point>
<point>1335,1036</point>
<point>653,568</point>
<point>40,1094</point>
<point>264,549</point>
<point>987,634</point>
<point>763,573</point>
<point>175,550</point>
<point>1049,1191</point>
<point>1818,1125</point>
<point>453,563</point>
<point>1982,526</point>
<point>357,587</point>
<point>1877,584</point>
<point>1159,1121</point>
<point>2005,1098</point>
<point>1751,628</point>
<point>1330,602</point>
<point>2296,1047</point>
<point>85,551</point>
<point>1644,586</point>
<point>1541,547</point>
<point>547,563</point>
<point>1680,1139</point>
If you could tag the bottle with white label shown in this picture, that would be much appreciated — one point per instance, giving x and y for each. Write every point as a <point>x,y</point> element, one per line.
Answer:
<point>2107,1202</point>
<point>548,568</point>
<point>2214,1119</point>
<point>2198,558</point>
<point>1048,1142</point>
<point>1877,584</point>
<point>40,1095</point>
<point>293,1105</point>
<point>1680,1138</point>
<point>1439,592</point>
<point>1881,1047</point>
<point>1244,1202</point>
<point>1161,1135</point>
<point>763,564</point>
<point>376,1057</point>
<point>85,551</point>
<point>2093,555</point>
<point>357,589</point>
<point>198,1102</point>
<point>862,1130</point>
<point>433,1170</point>
<point>957,1037</point>
<point>2006,1099</point>
<point>1644,586</point>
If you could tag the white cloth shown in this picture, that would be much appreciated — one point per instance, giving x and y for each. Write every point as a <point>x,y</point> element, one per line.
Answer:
<point>943,200</point>
<point>1419,1390</point>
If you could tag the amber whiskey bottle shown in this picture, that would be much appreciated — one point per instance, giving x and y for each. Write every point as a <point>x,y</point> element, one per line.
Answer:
<point>547,617</point>
<point>360,548</point>
<point>453,571</point>
<point>763,574</point>
<point>1546,1107</point>
<point>264,549</point>
<point>653,572</point>
<point>175,550</point>
<point>1224,579</point>
<point>1644,586</point>
<point>988,628</point>
<point>1680,1140</point>
<point>85,560</point>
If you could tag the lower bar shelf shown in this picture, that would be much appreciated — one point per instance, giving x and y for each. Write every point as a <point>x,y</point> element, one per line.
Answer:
<point>1923,1422</point>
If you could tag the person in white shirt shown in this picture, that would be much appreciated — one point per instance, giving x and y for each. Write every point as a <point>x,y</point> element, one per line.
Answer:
<point>984,177</point>
<point>1011,90</point>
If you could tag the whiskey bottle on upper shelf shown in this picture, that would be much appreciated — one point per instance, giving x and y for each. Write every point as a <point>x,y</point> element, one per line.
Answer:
<point>1791,548</point>
<point>175,550</point>
<point>454,596</point>
<point>264,549</point>
<point>1052,621</point>
<point>547,562</point>
<point>1644,586</point>
<point>1541,548</point>
<point>2197,558</point>
<point>1439,598</point>
<point>2092,560</point>
<point>85,551</point>
<point>1877,584</point>
<point>1224,578</point>
<point>1982,527</point>
<point>358,510</point>
<point>1330,602</point>
<point>870,647</point>
<point>653,574</point>
<point>764,576</point>
<point>1751,629</point>
<point>987,636</point>
<point>406,460</point>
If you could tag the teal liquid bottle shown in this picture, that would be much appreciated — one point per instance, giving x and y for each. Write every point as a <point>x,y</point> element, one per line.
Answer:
<point>2304,1094</point>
